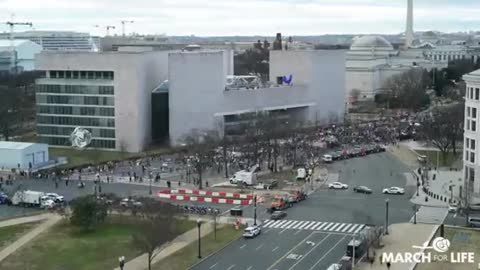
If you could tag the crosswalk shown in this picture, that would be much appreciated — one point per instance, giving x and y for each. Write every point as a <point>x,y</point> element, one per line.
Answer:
<point>314,226</point>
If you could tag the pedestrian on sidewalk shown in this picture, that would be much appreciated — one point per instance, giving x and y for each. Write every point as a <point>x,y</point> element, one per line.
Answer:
<point>388,265</point>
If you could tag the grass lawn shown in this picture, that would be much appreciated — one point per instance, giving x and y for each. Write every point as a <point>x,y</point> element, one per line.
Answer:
<point>82,157</point>
<point>64,247</point>
<point>461,240</point>
<point>448,161</point>
<point>187,256</point>
<point>12,233</point>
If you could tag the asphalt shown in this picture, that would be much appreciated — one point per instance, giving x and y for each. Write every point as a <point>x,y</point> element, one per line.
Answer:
<point>303,248</point>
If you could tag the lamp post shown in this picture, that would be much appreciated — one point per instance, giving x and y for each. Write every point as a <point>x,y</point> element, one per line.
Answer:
<point>199,224</point>
<point>255,210</point>
<point>386,216</point>
<point>121,262</point>
<point>354,246</point>
<point>150,185</point>
<point>415,214</point>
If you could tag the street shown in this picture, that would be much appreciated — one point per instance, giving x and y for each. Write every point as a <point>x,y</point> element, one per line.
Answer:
<point>316,231</point>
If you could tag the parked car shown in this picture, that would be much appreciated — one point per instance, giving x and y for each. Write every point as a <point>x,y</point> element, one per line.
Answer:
<point>252,231</point>
<point>474,206</point>
<point>362,189</point>
<point>327,158</point>
<point>55,197</point>
<point>337,185</point>
<point>474,221</point>
<point>128,202</point>
<point>46,203</point>
<point>394,190</point>
<point>452,208</point>
<point>4,199</point>
<point>278,215</point>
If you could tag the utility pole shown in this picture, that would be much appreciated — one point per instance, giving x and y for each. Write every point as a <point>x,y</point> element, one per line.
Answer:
<point>13,55</point>
<point>255,210</point>
<point>107,28</point>
<point>386,216</point>
<point>354,246</point>
<point>123,26</point>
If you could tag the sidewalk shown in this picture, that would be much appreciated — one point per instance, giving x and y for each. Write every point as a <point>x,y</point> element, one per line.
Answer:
<point>401,239</point>
<point>51,220</point>
<point>140,262</point>
<point>21,220</point>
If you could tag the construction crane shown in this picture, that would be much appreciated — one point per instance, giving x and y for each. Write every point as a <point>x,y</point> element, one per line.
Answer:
<point>13,56</point>
<point>123,26</point>
<point>107,28</point>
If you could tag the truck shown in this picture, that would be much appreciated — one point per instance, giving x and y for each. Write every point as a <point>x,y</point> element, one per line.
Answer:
<point>245,177</point>
<point>280,202</point>
<point>28,198</point>
<point>301,174</point>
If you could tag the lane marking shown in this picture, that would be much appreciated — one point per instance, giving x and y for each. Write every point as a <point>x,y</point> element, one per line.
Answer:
<point>211,267</point>
<point>279,224</point>
<point>244,245</point>
<point>316,225</point>
<point>346,227</point>
<point>308,227</point>
<point>273,250</point>
<point>291,225</point>
<point>336,225</point>
<point>293,248</point>
<point>305,224</point>
<point>231,267</point>
<point>273,224</point>
<point>341,226</point>
<point>300,223</point>
<point>328,226</point>
<point>353,228</point>
<point>310,251</point>
<point>323,225</point>
<point>285,225</point>
<point>297,232</point>
<point>259,247</point>
<point>267,222</point>
<point>250,267</point>
<point>330,250</point>
<point>359,229</point>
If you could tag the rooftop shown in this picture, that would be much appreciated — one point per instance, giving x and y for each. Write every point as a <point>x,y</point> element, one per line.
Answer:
<point>16,42</point>
<point>371,42</point>
<point>14,145</point>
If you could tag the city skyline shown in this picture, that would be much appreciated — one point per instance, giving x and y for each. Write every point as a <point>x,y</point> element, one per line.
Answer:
<point>249,17</point>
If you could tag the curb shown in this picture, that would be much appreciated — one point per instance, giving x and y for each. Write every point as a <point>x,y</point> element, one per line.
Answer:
<point>215,252</point>
<point>437,227</point>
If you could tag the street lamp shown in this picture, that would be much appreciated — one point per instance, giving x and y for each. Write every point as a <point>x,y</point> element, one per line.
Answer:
<point>255,210</point>
<point>121,262</point>
<point>150,186</point>
<point>386,216</point>
<point>199,224</point>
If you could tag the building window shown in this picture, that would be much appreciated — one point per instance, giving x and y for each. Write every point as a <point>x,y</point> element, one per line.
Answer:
<point>472,144</point>
<point>467,143</point>
<point>472,157</point>
<point>474,113</point>
<point>83,74</point>
<point>468,124</point>
<point>75,74</point>
<point>477,93</point>
<point>474,125</point>
<point>468,111</point>
<point>471,93</point>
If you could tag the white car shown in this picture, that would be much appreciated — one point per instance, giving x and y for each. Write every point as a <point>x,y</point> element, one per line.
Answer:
<point>327,158</point>
<point>452,208</point>
<point>55,197</point>
<point>252,231</point>
<point>394,190</point>
<point>337,185</point>
<point>47,203</point>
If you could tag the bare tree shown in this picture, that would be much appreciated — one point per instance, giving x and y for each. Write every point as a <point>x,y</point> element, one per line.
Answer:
<point>444,127</point>
<point>200,152</point>
<point>156,227</point>
<point>407,90</point>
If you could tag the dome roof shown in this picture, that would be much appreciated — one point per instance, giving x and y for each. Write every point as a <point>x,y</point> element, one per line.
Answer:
<point>429,34</point>
<point>371,42</point>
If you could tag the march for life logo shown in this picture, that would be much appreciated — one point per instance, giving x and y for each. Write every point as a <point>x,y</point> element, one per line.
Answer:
<point>440,245</point>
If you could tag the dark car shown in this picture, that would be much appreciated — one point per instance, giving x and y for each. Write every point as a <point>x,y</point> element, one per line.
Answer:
<point>362,189</point>
<point>278,215</point>
<point>4,199</point>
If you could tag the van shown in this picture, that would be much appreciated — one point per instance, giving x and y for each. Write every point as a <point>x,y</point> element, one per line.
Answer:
<point>334,266</point>
<point>327,158</point>
<point>474,221</point>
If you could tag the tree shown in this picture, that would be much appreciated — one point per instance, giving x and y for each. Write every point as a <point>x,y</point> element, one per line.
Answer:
<point>155,227</point>
<point>254,61</point>
<point>88,212</point>
<point>408,90</point>
<point>200,151</point>
<point>443,127</point>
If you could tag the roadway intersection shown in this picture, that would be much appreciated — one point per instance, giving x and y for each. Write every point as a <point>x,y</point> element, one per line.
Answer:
<point>316,232</point>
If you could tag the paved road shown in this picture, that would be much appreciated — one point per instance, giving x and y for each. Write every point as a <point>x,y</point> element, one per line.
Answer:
<point>316,231</point>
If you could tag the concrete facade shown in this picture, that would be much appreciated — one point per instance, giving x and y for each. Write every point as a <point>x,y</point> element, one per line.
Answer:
<point>114,96</point>
<point>471,154</point>
<point>22,155</point>
<point>198,98</point>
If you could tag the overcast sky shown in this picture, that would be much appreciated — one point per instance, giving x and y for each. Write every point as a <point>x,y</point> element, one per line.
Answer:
<point>243,17</point>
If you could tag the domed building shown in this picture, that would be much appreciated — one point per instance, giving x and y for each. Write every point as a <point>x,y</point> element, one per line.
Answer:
<point>370,61</point>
